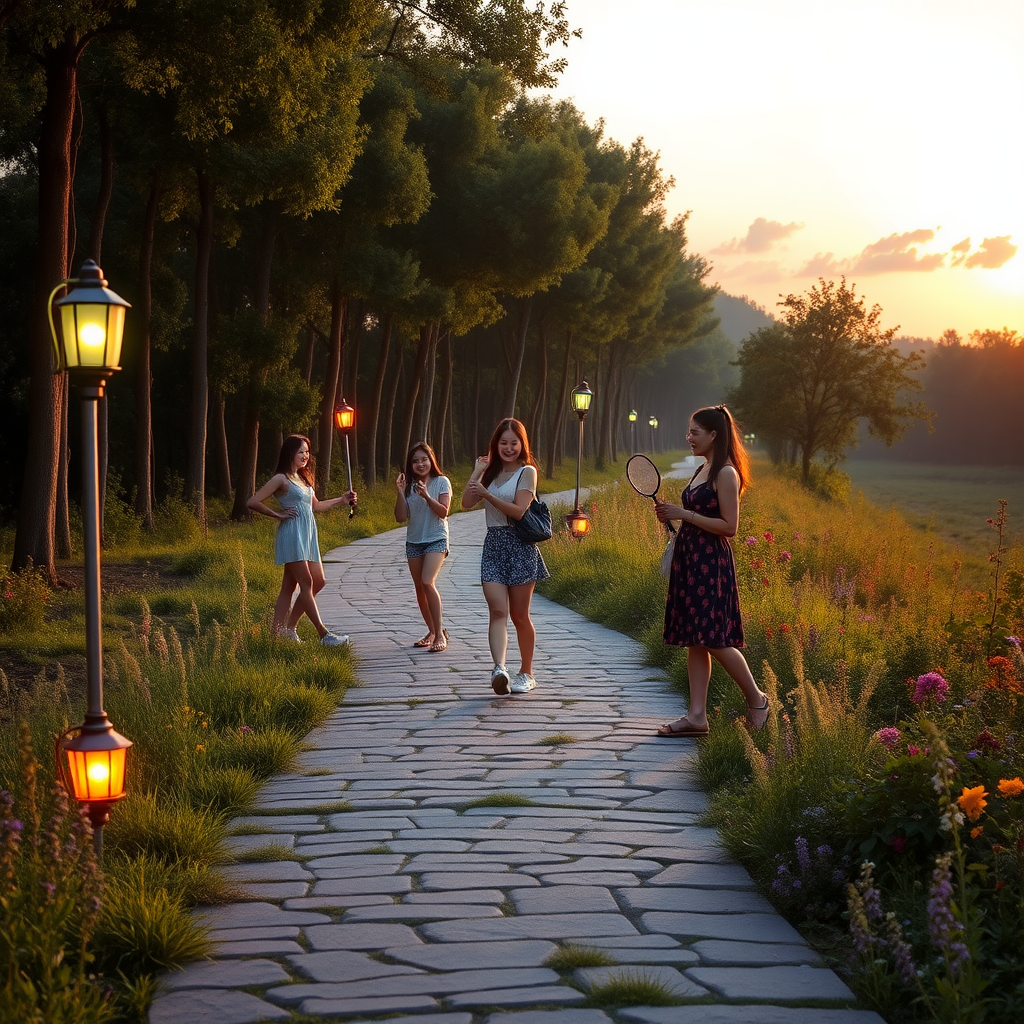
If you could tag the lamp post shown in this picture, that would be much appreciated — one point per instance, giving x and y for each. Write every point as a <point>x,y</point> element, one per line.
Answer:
<point>577,520</point>
<point>653,423</point>
<point>345,420</point>
<point>88,346</point>
<point>632,431</point>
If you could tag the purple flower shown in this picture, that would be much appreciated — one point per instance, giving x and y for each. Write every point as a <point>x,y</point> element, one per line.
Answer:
<point>888,737</point>
<point>944,929</point>
<point>784,556</point>
<point>972,754</point>
<point>1013,641</point>
<point>14,825</point>
<point>931,684</point>
<point>750,541</point>
<point>803,856</point>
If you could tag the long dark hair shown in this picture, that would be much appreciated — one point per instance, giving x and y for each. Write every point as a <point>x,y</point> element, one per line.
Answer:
<point>435,469</point>
<point>727,446</point>
<point>292,443</point>
<point>495,465</point>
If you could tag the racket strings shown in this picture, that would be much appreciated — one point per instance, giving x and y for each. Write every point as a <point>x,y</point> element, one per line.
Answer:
<point>643,475</point>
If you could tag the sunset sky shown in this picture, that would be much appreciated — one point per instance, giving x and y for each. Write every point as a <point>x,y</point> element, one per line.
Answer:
<point>883,140</point>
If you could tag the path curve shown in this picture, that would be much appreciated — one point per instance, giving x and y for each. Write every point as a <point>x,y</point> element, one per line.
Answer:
<point>414,907</point>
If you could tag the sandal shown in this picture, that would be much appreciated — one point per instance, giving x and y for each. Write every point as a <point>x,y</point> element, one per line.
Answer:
<point>757,717</point>
<point>683,729</point>
<point>425,641</point>
<point>440,645</point>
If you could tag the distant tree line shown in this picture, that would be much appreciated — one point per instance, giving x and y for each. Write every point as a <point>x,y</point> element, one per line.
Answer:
<point>305,202</point>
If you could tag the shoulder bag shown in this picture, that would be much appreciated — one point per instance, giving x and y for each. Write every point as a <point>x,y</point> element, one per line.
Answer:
<point>535,524</point>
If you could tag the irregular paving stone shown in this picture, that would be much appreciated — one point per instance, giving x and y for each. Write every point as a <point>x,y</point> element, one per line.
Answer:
<point>381,1004</point>
<point>361,886</point>
<point>647,955</point>
<point>772,982</point>
<point>212,1006</point>
<point>716,952</point>
<point>519,997</point>
<point>745,927</point>
<point>434,1018</point>
<point>449,956</point>
<point>559,899</point>
<point>633,865</point>
<point>232,974</point>
<point>701,901</point>
<point>749,1014</point>
<point>422,912</point>
<point>272,871</point>
<point>269,823</point>
<point>669,978</point>
<point>255,915</point>
<point>533,926</point>
<point>259,947</point>
<point>359,936</point>
<point>272,890</point>
<point>467,896</point>
<point>476,880</point>
<point>571,1016</point>
<point>238,934</point>
<point>705,876</point>
<point>335,902</point>
<point>344,965</point>
<point>242,846</point>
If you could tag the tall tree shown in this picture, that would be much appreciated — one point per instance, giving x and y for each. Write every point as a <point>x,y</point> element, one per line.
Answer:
<point>827,365</point>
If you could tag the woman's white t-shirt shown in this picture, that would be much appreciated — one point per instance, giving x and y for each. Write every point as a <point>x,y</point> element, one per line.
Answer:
<point>425,527</point>
<point>506,491</point>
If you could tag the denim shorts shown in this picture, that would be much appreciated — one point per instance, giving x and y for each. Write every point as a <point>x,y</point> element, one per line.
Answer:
<point>431,547</point>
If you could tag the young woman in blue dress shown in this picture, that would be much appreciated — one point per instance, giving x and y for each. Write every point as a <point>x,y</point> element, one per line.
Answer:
<point>297,545</point>
<point>505,479</point>
<point>424,498</point>
<point>702,612</point>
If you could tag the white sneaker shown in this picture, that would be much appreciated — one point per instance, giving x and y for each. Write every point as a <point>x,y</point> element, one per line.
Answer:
<point>333,640</point>
<point>500,680</point>
<point>523,683</point>
<point>289,634</point>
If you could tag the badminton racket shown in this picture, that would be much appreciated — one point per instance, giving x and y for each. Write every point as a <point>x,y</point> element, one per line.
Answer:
<point>645,479</point>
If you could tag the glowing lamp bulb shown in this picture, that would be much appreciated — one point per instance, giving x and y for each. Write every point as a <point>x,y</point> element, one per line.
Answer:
<point>92,335</point>
<point>98,772</point>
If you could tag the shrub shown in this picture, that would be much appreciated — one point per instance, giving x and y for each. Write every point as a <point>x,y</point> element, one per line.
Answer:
<point>23,597</point>
<point>264,753</point>
<point>166,828</point>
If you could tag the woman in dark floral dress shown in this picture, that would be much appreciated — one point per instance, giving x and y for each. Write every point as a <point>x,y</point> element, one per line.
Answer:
<point>702,612</point>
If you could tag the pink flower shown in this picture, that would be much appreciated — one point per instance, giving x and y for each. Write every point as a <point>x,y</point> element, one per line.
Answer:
<point>750,541</point>
<point>913,750</point>
<point>931,684</point>
<point>784,556</point>
<point>888,737</point>
<point>769,536</point>
<point>798,536</point>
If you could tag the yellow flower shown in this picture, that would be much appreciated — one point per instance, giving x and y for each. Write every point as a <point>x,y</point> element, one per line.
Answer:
<point>200,747</point>
<point>204,725</point>
<point>1011,787</point>
<point>976,831</point>
<point>185,708</point>
<point>972,801</point>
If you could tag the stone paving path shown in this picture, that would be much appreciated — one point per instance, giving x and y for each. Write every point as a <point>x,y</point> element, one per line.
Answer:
<point>411,906</point>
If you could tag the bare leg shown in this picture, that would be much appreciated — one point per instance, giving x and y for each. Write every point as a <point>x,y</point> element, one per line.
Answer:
<point>316,572</point>
<point>732,660</point>
<point>431,566</point>
<point>496,595</point>
<point>698,673</point>
<point>519,606</point>
<point>283,605</point>
<point>416,572</point>
<point>305,603</point>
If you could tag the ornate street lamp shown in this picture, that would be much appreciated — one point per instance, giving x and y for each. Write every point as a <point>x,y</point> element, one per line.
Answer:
<point>632,430</point>
<point>653,423</point>
<point>345,420</point>
<point>88,346</point>
<point>577,521</point>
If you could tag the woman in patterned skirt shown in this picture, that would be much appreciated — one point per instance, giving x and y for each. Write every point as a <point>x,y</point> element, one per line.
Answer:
<point>505,479</point>
<point>702,612</point>
<point>297,546</point>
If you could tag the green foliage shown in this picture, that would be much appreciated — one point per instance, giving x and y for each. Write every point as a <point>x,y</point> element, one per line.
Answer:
<point>500,800</point>
<point>571,956</point>
<point>50,893</point>
<point>631,987</point>
<point>23,597</point>
<point>165,828</point>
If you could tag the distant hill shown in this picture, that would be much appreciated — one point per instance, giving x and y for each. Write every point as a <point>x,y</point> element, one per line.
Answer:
<point>740,317</point>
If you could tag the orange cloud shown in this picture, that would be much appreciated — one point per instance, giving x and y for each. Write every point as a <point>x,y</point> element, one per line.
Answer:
<point>994,252</point>
<point>761,236</point>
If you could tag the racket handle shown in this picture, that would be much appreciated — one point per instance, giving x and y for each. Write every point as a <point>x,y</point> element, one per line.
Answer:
<point>669,527</point>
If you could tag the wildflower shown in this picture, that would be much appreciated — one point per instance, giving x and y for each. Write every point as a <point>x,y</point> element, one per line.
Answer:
<point>803,856</point>
<point>14,825</point>
<point>784,556</point>
<point>765,582</point>
<point>902,958</point>
<point>972,754</point>
<point>976,831</point>
<point>913,750</point>
<point>798,536</point>
<point>972,801</point>
<point>750,541</point>
<point>756,564</point>
<point>244,729</point>
<point>785,628</point>
<point>898,843</point>
<point>769,536</point>
<point>200,747</point>
<point>1011,787</point>
<point>943,927</point>
<point>1013,641</point>
<point>986,741</point>
<point>888,737</point>
<point>812,637</point>
<point>930,684</point>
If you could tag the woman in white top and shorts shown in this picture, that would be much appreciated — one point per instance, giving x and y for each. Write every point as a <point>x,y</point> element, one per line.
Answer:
<point>505,479</point>
<point>424,497</point>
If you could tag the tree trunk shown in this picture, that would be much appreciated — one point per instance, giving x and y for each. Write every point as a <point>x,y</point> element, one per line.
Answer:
<point>62,518</point>
<point>220,446</point>
<point>34,538</point>
<point>412,392</point>
<point>446,394</point>
<point>477,384</point>
<point>524,322</point>
<point>373,415</point>
<point>106,187</point>
<point>389,413</point>
<point>354,340</point>
<point>143,369</point>
<point>533,429</point>
<point>195,481</point>
<point>428,381</point>
<point>329,396</point>
<point>554,442</point>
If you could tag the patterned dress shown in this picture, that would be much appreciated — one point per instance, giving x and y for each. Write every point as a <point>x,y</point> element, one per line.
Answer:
<point>703,607</point>
<point>297,539</point>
